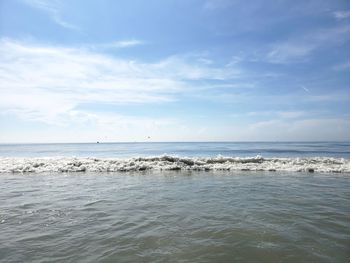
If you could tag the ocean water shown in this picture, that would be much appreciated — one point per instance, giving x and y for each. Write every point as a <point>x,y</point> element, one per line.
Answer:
<point>175,202</point>
<point>116,157</point>
<point>190,149</point>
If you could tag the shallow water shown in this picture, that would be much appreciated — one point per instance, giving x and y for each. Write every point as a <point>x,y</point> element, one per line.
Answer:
<point>175,217</point>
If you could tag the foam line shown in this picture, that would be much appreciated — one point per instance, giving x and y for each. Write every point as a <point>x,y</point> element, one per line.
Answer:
<point>167,162</point>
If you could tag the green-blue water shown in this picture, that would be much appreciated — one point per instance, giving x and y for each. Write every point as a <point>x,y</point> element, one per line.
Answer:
<point>175,217</point>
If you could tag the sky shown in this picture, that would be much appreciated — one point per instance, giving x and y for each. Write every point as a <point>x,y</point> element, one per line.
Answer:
<point>166,70</point>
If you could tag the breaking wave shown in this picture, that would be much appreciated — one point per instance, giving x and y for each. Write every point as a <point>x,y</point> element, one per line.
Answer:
<point>166,162</point>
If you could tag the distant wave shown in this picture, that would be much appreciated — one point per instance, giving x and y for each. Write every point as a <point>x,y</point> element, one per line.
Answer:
<point>166,162</point>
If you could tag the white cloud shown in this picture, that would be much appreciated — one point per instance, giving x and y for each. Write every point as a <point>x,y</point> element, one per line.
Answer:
<point>342,14</point>
<point>181,67</point>
<point>53,9</point>
<point>48,83</point>
<point>118,44</point>
<point>126,43</point>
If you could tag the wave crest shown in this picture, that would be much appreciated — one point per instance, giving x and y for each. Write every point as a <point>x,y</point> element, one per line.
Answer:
<point>168,162</point>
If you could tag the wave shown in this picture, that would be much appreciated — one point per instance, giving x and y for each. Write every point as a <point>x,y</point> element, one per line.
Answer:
<point>166,162</point>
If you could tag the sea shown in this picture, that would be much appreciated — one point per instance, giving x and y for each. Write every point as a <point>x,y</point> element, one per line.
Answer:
<point>175,202</point>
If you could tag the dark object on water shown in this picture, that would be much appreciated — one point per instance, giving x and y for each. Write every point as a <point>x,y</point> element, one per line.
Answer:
<point>310,170</point>
<point>97,142</point>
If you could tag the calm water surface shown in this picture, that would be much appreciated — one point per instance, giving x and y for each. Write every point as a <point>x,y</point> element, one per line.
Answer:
<point>266,149</point>
<point>175,217</point>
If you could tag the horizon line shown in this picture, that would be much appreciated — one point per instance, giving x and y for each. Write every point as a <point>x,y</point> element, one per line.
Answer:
<point>130,142</point>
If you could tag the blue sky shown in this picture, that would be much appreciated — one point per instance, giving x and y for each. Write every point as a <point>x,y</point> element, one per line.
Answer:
<point>194,70</point>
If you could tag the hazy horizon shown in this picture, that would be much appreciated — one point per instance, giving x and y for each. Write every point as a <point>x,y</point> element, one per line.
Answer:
<point>126,142</point>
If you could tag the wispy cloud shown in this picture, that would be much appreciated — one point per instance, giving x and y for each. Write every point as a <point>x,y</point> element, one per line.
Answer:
<point>289,52</point>
<point>48,83</point>
<point>300,47</point>
<point>127,43</point>
<point>117,44</point>
<point>305,88</point>
<point>277,114</point>
<point>53,9</point>
<point>299,129</point>
<point>342,66</point>
<point>344,14</point>
<point>331,97</point>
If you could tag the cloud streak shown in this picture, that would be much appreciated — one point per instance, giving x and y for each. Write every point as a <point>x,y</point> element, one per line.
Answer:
<point>53,9</point>
<point>128,43</point>
<point>48,83</point>
<point>299,48</point>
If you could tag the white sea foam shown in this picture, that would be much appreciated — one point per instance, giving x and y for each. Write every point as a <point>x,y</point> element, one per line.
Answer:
<point>166,162</point>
